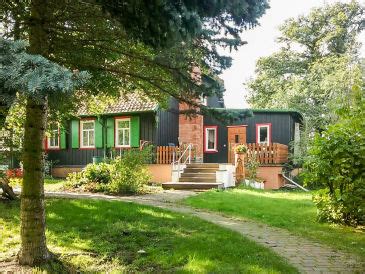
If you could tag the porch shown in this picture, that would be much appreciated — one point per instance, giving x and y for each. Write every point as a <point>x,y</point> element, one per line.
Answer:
<point>274,153</point>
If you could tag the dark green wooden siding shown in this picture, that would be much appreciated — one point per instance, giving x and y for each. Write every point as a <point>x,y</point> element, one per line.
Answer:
<point>282,131</point>
<point>143,127</point>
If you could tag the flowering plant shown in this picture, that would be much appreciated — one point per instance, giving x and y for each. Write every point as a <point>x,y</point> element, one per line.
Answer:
<point>14,173</point>
<point>240,149</point>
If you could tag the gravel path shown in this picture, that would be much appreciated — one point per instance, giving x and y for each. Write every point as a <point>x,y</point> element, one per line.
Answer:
<point>306,255</point>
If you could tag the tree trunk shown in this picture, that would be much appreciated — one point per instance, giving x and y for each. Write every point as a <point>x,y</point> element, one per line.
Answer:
<point>7,189</point>
<point>32,212</point>
<point>33,249</point>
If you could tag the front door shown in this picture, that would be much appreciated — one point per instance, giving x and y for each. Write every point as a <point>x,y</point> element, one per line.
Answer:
<point>236,135</point>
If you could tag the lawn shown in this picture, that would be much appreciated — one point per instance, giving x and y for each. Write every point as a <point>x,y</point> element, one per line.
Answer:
<point>49,184</point>
<point>98,236</point>
<point>293,211</point>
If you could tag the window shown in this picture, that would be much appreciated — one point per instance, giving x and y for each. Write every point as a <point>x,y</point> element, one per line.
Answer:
<point>53,141</point>
<point>263,133</point>
<point>210,136</point>
<point>123,132</point>
<point>87,128</point>
<point>204,100</point>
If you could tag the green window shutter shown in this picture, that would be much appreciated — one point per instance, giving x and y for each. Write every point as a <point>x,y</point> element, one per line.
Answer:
<point>135,131</point>
<point>110,132</point>
<point>98,134</point>
<point>62,138</point>
<point>75,133</point>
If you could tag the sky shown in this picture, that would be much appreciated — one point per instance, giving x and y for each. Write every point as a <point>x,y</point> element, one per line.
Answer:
<point>261,42</point>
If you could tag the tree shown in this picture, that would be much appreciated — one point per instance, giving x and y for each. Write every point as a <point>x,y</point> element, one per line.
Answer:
<point>316,66</point>
<point>149,46</point>
<point>336,164</point>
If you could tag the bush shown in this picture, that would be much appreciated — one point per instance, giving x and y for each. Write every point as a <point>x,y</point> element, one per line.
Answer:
<point>130,174</point>
<point>98,173</point>
<point>14,173</point>
<point>252,166</point>
<point>124,175</point>
<point>336,164</point>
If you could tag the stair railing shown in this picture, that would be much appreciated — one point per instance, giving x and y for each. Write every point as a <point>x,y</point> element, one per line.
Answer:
<point>179,161</point>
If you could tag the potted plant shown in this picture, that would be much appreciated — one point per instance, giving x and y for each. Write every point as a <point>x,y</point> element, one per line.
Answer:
<point>240,149</point>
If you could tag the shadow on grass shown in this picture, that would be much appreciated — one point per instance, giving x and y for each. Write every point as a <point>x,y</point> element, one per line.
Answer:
<point>104,235</point>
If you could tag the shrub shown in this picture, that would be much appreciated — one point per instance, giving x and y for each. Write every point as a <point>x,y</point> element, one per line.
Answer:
<point>124,175</point>
<point>252,166</point>
<point>336,164</point>
<point>98,173</point>
<point>130,174</point>
<point>14,173</point>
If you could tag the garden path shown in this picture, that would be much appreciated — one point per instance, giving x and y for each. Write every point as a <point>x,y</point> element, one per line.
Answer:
<point>306,255</point>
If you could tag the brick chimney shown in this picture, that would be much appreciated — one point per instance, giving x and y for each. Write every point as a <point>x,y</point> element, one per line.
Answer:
<point>191,128</point>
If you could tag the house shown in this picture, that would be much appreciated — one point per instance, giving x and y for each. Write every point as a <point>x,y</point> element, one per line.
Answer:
<point>135,121</point>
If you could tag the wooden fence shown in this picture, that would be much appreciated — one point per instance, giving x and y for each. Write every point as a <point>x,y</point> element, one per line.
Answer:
<point>274,153</point>
<point>164,154</point>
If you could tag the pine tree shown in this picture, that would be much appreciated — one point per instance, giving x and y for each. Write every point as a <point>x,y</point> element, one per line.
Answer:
<point>127,45</point>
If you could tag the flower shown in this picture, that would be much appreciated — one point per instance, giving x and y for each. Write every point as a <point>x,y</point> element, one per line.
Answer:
<point>240,149</point>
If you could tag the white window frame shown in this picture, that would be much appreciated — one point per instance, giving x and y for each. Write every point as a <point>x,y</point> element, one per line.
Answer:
<point>258,127</point>
<point>49,146</point>
<point>116,141</point>
<point>206,130</point>
<point>82,122</point>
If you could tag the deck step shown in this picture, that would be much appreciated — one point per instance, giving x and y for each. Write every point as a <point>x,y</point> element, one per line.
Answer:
<point>198,175</point>
<point>191,185</point>
<point>203,165</point>
<point>197,179</point>
<point>199,169</point>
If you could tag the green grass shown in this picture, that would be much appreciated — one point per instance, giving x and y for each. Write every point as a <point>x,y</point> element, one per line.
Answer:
<point>49,184</point>
<point>102,236</point>
<point>293,211</point>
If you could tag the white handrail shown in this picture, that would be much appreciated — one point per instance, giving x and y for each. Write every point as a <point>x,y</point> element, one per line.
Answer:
<point>178,162</point>
<point>294,183</point>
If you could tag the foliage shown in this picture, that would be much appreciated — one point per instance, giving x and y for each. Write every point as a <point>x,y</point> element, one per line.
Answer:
<point>316,66</point>
<point>98,173</point>
<point>123,175</point>
<point>129,172</point>
<point>291,211</point>
<point>34,75</point>
<point>240,149</point>
<point>111,41</point>
<point>120,45</point>
<point>252,166</point>
<point>336,163</point>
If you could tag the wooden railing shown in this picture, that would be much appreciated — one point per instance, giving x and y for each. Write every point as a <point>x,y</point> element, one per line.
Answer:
<point>164,154</point>
<point>274,153</point>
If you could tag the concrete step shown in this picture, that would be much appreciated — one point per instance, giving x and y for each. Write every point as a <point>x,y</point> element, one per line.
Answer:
<point>199,174</point>
<point>203,165</point>
<point>191,185</point>
<point>201,170</point>
<point>197,179</point>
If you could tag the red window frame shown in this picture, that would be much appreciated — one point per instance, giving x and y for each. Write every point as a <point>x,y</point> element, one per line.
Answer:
<point>80,133</point>
<point>269,135</point>
<point>205,139</point>
<point>59,140</point>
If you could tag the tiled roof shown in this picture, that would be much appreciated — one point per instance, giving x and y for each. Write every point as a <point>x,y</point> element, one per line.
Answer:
<point>126,104</point>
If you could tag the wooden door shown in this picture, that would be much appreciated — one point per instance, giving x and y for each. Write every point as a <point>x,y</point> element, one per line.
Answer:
<point>236,135</point>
